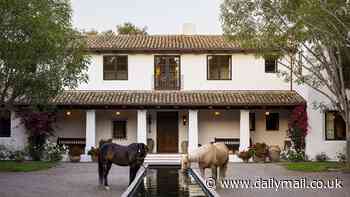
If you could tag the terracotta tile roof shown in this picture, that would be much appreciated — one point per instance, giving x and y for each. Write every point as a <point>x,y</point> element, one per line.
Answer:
<point>179,98</point>
<point>183,43</point>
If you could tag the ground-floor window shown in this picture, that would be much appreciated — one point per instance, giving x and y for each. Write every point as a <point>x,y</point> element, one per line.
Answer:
<point>272,121</point>
<point>119,129</point>
<point>335,126</point>
<point>5,123</point>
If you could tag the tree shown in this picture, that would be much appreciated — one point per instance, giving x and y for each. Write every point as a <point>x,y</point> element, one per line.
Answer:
<point>313,34</point>
<point>131,29</point>
<point>40,53</point>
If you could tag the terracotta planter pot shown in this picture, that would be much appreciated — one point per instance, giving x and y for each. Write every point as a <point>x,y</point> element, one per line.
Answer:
<point>259,159</point>
<point>150,145</point>
<point>274,152</point>
<point>75,158</point>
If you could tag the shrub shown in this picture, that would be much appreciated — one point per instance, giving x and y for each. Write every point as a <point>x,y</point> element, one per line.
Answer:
<point>93,151</point>
<point>5,154</point>
<point>298,127</point>
<point>341,157</point>
<point>39,126</point>
<point>18,156</point>
<point>54,151</point>
<point>322,157</point>
<point>245,155</point>
<point>293,155</point>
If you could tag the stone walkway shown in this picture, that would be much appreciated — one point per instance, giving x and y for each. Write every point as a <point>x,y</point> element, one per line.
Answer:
<point>80,180</point>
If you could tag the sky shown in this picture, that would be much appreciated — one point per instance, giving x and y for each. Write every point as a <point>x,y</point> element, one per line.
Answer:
<point>160,16</point>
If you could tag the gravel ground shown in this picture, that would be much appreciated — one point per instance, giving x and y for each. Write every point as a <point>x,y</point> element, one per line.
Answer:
<point>67,179</point>
<point>80,180</point>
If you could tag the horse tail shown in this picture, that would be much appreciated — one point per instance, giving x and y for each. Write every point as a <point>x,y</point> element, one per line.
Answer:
<point>100,167</point>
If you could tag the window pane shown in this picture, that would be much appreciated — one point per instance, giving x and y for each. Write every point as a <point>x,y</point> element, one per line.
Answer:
<point>115,67</point>
<point>330,126</point>
<point>119,129</point>
<point>219,67</point>
<point>5,124</point>
<point>335,126</point>
<point>270,65</point>
<point>272,121</point>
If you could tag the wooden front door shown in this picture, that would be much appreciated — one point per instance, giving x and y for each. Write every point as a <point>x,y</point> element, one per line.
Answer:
<point>167,132</point>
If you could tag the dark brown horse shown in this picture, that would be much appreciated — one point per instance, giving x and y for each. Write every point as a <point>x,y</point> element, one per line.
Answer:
<point>132,155</point>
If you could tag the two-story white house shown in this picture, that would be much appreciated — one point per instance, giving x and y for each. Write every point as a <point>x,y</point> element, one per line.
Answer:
<point>176,90</point>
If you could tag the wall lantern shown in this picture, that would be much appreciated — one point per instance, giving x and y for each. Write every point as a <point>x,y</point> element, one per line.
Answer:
<point>184,120</point>
<point>117,113</point>
<point>68,113</point>
<point>217,113</point>
<point>267,113</point>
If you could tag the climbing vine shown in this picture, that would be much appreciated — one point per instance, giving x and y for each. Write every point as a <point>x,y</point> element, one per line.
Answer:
<point>298,127</point>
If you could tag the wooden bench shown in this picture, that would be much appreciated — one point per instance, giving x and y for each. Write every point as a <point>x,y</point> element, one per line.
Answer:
<point>71,141</point>
<point>231,143</point>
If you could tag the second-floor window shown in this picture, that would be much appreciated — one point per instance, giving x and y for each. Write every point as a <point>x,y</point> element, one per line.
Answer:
<point>115,67</point>
<point>219,67</point>
<point>271,64</point>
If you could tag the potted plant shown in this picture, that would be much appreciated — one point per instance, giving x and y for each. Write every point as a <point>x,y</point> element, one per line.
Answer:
<point>93,152</point>
<point>74,153</point>
<point>274,153</point>
<point>259,152</point>
<point>150,145</point>
<point>245,155</point>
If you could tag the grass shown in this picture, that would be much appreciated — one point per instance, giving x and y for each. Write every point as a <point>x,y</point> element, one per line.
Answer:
<point>314,166</point>
<point>26,166</point>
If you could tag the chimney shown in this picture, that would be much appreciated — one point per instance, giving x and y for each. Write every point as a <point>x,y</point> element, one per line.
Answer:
<point>188,29</point>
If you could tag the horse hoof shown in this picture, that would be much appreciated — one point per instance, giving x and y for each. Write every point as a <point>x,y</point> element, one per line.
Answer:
<point>107,188</point>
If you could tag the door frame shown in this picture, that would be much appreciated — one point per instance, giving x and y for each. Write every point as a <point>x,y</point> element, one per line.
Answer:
<point>158,132</point>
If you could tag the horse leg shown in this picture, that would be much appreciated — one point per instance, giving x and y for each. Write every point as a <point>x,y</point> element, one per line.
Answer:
<point>202,170</point>
<point>214,173</point>
<point>107,167</point>
<point>223,170</point>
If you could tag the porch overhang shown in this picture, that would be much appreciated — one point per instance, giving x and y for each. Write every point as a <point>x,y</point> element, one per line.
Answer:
<point>226,99</point>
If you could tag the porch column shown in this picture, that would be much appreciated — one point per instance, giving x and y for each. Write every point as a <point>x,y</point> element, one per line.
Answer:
<point>90,130</point>
<point>244,132</point>
<point>142,126</point>
<point>192,130</point>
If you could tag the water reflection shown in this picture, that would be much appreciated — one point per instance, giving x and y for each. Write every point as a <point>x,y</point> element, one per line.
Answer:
<point>170,182</point>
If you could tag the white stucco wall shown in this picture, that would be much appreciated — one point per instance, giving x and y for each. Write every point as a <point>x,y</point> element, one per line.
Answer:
<point>18,138</point>
<point>226,125</point>
<point>72,126</point>
<point>104,127</point>
<point>270,137</point>
<point>248,73</point>
<point>315,139</point>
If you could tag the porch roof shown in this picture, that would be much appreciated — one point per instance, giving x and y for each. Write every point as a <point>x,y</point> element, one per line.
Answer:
<point>226,98</point>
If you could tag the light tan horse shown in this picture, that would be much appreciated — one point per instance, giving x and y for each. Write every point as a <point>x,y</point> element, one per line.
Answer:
<point>208,156</point>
